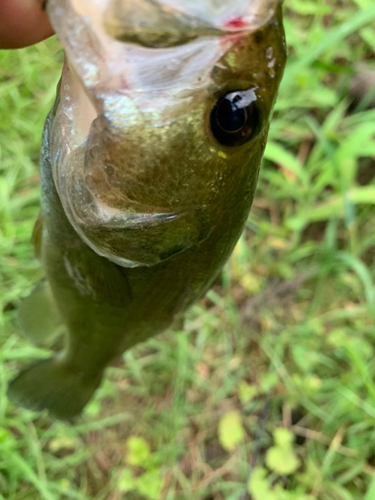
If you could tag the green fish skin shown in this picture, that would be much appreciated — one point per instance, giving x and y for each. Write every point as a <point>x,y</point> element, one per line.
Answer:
<point>200,193</point>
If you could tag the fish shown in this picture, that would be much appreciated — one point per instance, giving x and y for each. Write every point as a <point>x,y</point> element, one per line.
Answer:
<point>149,162</point>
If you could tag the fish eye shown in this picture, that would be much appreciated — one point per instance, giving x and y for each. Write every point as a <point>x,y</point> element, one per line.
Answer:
<point>235,117</point>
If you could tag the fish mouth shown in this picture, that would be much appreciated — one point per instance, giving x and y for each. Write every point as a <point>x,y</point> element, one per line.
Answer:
<point>105,41</point>
<point>156,24</point>
<point>167,23</point>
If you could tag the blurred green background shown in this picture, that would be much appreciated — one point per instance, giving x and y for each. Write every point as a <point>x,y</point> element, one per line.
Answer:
<point>270,387</point>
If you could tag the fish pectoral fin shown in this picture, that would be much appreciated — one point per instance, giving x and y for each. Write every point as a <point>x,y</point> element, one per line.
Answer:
<point>39,318</point>
<point>50,385</point>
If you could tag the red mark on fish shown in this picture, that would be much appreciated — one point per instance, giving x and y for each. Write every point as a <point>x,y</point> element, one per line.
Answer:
<point>237,23</point>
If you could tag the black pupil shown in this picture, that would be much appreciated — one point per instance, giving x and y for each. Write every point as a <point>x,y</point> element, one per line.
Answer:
<point>231,113</point>
<point>236,118</point>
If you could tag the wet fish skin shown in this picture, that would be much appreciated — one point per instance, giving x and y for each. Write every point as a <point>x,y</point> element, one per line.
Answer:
<point>108,308</point>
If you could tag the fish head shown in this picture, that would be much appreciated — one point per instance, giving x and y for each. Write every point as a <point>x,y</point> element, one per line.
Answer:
<point>161,119</point>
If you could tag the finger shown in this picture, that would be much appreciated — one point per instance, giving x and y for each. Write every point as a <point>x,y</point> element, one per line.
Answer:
<point>22,23</point>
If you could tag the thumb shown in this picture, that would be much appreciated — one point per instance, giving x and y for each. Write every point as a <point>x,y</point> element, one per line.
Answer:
<point>22,23</point>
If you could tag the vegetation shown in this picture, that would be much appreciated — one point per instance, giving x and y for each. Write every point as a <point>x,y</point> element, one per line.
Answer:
<point>269,391</point>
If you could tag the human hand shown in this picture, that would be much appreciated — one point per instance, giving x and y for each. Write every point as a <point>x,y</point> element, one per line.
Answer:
<point>22,23</point>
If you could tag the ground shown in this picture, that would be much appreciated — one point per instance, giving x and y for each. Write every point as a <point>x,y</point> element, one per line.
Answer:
<point>268,393</point>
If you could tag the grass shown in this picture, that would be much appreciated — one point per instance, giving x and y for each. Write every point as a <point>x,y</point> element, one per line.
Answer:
<point>285,340</point>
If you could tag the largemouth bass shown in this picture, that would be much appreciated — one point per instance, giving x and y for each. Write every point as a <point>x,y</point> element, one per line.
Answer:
<point>149,163</point>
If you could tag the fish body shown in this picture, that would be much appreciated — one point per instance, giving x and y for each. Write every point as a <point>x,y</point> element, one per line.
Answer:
<point>150,158</point>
